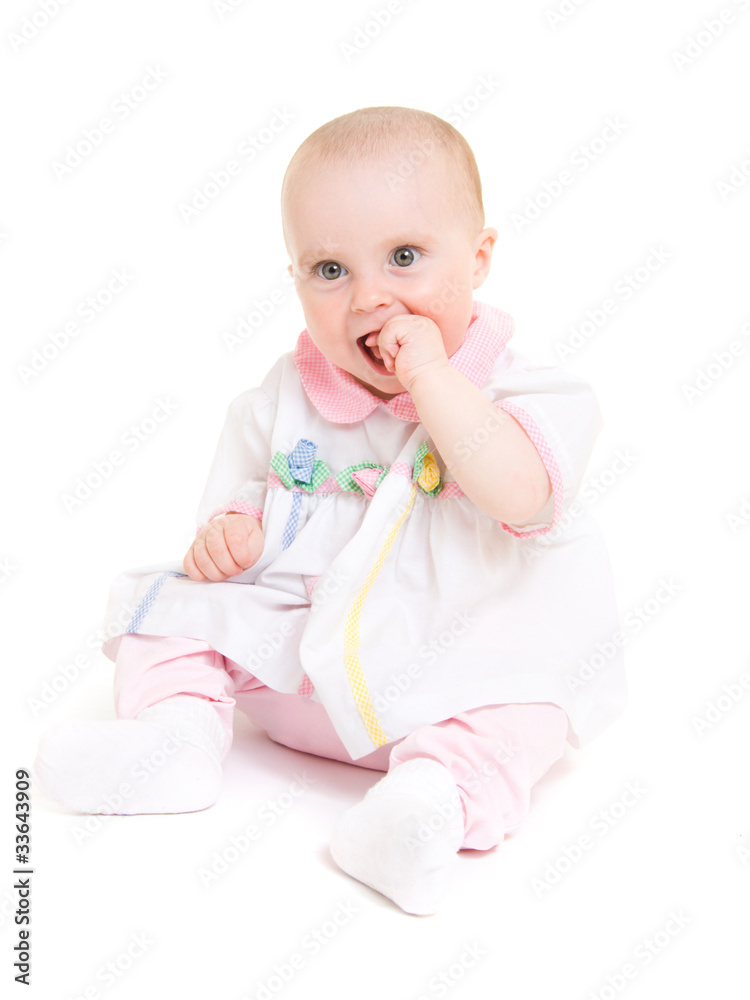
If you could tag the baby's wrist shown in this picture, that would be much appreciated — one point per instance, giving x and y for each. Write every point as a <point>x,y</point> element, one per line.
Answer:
<point>428,377</point>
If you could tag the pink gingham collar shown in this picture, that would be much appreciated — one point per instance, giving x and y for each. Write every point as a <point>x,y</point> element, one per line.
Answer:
<point>340,398</point>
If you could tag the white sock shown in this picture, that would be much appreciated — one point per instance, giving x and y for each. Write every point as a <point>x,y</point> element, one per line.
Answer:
<point>403,837</point>
<point>168,760</point>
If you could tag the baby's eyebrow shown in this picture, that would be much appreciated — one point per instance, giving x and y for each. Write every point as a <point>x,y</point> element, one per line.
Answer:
<point>409,240</point>
<point>311,257</point>
<point>328,251</point>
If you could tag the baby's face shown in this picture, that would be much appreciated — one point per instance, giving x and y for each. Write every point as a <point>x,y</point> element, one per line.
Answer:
<point>367,245</point>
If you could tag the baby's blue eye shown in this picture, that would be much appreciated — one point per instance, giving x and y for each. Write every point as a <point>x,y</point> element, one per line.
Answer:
<point>404,256</point>
<point>329,270</point>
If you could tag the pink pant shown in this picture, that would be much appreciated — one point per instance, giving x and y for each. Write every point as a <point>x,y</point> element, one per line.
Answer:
<point>494,754</point>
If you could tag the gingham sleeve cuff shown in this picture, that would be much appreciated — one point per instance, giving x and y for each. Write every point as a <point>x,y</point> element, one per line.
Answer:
<point>546,519</point>
<point>240,507</point>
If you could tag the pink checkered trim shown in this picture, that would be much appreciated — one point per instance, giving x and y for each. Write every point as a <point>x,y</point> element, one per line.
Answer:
<point>553,470</point>
<point>240,507</point>
<point>449,490</point>
<point>367,479</point>
<point>339,397</point>
<point>327,486</point>
<point>402,469</point>
<point>306,688</point>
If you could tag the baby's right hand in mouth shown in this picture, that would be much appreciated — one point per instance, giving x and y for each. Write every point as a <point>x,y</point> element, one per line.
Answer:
<point>225,547</point>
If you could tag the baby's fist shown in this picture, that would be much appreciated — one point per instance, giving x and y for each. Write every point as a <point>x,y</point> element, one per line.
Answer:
<point>225,547</point>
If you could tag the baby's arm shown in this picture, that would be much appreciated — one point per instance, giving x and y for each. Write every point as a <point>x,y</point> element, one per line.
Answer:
<point>225,547</point>
<point>487,451</point>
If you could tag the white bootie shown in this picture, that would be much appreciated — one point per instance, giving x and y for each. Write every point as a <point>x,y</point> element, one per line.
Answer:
<point>168,760</point>
<point>402,839</point>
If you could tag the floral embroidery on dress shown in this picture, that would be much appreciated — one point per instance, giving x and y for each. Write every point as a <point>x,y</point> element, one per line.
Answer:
<point>426,471</point>
<point>300,471</point>
<point>364,477</point>
<point>299,467</point>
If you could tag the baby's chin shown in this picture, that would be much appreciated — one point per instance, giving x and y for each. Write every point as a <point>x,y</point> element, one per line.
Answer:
<point>379,392</point>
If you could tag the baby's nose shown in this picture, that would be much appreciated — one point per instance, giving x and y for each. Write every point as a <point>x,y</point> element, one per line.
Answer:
<point>368,294</point>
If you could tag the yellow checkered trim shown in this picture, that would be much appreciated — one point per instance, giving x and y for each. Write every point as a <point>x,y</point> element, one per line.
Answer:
<point>357,681</point>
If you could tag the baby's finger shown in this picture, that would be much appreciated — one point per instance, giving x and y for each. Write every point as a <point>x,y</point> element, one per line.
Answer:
<point>188,564</point>
<point>240,544</point>
<point>386,344</point>
<point>205,563</point>
<point>217,562</point>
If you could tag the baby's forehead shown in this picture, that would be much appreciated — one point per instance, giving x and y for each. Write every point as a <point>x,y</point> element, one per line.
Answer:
<point>379,176</point>
<point>324,177</point>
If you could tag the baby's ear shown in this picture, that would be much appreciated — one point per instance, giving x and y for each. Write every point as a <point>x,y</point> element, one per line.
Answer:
<point>290,269</point>
<point>483,256</point>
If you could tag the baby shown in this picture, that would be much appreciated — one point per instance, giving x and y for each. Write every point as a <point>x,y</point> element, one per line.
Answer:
<point>388,571</point>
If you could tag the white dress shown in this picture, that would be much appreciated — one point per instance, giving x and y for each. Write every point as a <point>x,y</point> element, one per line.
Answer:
<point>383,592</point>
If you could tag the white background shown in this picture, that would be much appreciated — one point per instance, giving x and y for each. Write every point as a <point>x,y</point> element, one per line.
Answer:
<point>528,91</point>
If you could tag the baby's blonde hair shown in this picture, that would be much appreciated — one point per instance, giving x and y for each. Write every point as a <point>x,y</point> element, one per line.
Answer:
<point>406,137</point>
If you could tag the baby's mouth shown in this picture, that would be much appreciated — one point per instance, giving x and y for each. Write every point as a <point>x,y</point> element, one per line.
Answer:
<point>372,354</point>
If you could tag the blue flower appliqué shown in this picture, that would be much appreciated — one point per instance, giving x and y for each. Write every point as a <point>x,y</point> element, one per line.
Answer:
<point>301,461</point>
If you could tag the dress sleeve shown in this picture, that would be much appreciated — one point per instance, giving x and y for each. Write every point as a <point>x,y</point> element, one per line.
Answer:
<point>561,416</point>
<point>238,478</point>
